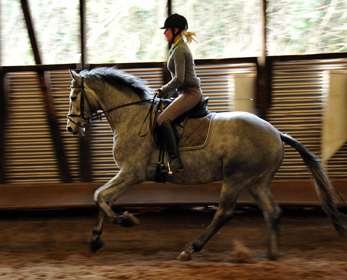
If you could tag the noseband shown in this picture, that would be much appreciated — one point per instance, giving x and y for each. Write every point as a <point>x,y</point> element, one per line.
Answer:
<point>83,120</point>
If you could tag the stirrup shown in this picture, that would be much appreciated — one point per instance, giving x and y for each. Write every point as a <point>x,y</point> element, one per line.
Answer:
<point>171,172</point>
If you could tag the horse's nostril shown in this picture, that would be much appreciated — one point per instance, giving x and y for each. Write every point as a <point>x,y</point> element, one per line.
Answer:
<point>69,129</point>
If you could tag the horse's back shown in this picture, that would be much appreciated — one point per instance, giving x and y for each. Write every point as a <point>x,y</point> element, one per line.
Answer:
<point>246,137</point>
<point>246,125</point>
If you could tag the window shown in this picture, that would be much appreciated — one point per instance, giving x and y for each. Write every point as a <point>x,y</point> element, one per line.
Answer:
<point>120,31</point>
<point>56,24</point>
<point>126,31</point>
<point>15,44</point>
<point>306,27</point>
<point>224,28</point>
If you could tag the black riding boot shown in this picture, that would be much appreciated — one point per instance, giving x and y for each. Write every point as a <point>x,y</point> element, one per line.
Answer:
<point>171,144</point>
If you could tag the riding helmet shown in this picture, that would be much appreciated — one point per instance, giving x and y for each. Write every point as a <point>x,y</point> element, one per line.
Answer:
<point>176,21</point>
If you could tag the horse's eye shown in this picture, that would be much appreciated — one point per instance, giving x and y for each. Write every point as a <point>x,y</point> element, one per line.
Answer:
<point>73,98</point>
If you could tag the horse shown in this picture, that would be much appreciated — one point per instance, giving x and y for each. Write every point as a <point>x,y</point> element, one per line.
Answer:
<point>243,152</point>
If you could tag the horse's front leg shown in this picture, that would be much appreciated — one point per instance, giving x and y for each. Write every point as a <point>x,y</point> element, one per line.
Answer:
<point>108,194</point>
<point>103,197</point>
<point>96,242</point>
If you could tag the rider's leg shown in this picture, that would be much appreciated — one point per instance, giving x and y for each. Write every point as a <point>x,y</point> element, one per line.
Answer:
<point>183,103</point>
<point>171,144</point>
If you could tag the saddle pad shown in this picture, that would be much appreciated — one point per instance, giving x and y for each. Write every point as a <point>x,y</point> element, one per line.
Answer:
<point>196,133</point>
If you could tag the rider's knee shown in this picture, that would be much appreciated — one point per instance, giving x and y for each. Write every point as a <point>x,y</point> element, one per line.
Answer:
<point>162,118</point>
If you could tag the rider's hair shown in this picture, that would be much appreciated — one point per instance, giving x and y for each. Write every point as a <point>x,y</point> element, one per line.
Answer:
<point>189,36</point>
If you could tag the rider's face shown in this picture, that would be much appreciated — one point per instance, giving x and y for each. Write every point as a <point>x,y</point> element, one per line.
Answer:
<point>168,34</point>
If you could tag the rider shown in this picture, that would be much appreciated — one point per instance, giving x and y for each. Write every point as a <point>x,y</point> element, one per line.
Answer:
<point>184,81</point>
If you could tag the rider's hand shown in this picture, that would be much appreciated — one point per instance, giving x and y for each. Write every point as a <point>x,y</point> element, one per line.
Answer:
<point>159,93</point>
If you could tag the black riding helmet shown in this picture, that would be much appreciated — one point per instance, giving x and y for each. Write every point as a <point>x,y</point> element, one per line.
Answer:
<point>176,21</point>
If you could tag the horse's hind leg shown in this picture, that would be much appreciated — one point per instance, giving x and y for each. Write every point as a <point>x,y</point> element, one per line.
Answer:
<point>223,214</point>
<point>272,213</point>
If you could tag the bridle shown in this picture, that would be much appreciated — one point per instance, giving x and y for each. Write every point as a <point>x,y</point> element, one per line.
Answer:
<point>83,120</point>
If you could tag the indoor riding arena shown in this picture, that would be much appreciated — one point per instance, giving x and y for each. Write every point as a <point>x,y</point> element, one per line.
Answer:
<point>284,61</point>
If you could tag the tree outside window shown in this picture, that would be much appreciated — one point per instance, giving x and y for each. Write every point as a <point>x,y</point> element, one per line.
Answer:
<point>128,31</point>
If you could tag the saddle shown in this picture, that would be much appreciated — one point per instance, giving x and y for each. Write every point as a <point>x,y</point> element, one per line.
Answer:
<point>184,126</point>
<point>191,129</point>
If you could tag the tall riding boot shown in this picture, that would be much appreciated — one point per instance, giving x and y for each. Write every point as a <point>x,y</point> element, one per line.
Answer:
<point>171,144</point>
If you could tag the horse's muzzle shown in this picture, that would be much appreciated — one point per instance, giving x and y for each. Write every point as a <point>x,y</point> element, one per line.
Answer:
<point>77,130</point>
<point>72,130</point>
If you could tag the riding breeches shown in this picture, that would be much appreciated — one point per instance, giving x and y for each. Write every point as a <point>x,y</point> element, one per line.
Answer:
<point>186,100</point>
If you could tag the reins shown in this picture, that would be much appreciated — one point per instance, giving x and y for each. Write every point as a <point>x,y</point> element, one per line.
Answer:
<point>103,113</point>
<point>148,115</point>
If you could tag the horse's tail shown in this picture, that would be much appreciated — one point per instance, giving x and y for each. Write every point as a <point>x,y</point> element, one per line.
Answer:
<point>325,190</point>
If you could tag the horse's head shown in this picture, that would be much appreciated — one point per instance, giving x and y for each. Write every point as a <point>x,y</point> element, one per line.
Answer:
<point>80,109</point>
<point>88,90</point>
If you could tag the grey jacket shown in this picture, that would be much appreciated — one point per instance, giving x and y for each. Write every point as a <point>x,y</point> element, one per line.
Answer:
<point>182,68</point>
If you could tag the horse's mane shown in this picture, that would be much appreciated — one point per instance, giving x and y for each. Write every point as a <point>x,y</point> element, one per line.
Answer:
<point>114,77</point>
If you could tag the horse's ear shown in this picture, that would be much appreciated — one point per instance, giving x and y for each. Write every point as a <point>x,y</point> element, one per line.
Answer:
<point>73,74</point>
<point>75,77</point>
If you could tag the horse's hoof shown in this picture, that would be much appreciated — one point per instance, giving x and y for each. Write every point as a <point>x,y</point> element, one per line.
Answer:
<point>267,255</point>
<point>113,219</point>
<point>129,220</point>
<point>96,244</point>
<point>185,256</point>
<point>273,257</point>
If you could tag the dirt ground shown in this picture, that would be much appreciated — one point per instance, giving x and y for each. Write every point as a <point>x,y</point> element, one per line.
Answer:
<point>54,245</point>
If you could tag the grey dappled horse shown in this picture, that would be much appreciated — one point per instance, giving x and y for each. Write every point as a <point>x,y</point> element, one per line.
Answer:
<point>244,152</point>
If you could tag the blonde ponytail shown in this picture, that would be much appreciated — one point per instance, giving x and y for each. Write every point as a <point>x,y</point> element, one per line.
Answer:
<point>189,36</point>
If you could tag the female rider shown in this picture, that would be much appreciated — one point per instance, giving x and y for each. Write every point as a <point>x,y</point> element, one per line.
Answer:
<point>184,81</point>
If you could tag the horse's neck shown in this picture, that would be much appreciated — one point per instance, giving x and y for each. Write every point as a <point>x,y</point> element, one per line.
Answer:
<point>124,118</point>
